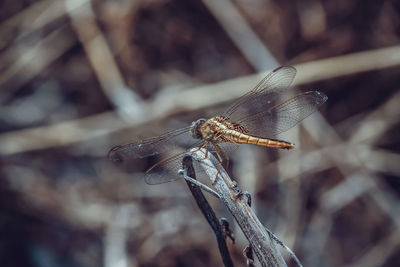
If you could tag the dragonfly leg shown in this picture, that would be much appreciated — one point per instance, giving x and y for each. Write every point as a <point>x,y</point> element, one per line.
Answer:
<point>217,152</point>
<point>224,156</point>
<point>207,147</point>
<point>200,146</point>
<point>220,152</point>
<point>216,176</point>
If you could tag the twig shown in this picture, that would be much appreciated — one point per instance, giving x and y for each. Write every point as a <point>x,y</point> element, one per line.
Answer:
<point>348,64</point>
<point>32,18</point>
<point>30,61</point>
<point>195,182</point>
<point>260,240</point>
<point>227,230</point>
<point>291,253</point>
<point>116,236</point>
<point>238,29</point>
<point>207,210</point>
<point>248,253</point>
<point>102,59</point>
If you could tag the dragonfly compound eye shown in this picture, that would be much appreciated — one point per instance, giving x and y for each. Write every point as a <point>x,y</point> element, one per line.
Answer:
<point>195,129</point>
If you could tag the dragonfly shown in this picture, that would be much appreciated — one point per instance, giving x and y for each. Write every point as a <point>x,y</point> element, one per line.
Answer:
<point>255,118</point>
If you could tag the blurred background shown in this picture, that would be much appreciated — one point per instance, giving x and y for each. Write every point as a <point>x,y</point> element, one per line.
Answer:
<point>78,77</point>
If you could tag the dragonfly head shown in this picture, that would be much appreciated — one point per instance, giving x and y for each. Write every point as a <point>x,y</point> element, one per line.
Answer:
<point>195,131</point>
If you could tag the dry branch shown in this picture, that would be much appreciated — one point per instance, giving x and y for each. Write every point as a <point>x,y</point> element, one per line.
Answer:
<point>207,211</point>
<point>261,243</point>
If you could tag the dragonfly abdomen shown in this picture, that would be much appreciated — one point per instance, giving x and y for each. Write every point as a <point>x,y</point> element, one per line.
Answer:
<point>242,138</point>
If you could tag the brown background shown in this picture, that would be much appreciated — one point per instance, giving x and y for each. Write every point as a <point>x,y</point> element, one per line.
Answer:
<point>78,77</point>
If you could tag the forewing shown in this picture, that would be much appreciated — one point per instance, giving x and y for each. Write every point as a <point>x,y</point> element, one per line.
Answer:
<point>281,117</point>
<point>152,146</point>
<point>271,87</point>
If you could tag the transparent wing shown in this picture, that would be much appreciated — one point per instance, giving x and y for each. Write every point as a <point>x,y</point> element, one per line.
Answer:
<point>152,146</point>
<point>165,170</point>
<point>272,120</point>
<point>271,87</point>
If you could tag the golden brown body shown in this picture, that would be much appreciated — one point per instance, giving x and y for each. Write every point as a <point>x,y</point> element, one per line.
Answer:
<point>219,129</point>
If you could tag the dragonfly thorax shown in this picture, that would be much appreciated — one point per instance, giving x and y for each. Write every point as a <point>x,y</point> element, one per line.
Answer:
<point>195,129</point>
<point>214,129</point>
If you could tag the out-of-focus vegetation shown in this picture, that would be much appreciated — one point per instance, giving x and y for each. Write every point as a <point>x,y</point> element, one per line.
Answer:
<point>79,76</point>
